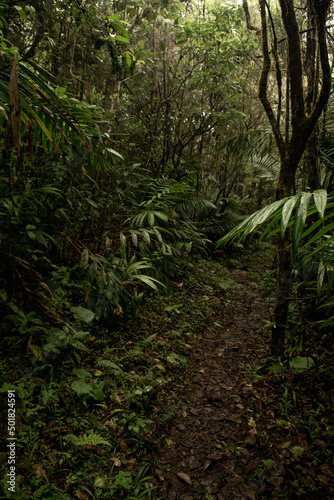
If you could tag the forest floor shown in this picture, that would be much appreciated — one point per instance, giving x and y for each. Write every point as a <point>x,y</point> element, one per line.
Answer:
<point>235,434</point>
<point>214,447</point>
<point>184,402</point>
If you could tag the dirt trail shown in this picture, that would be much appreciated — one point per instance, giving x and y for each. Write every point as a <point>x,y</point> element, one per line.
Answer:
<point>215,450</point>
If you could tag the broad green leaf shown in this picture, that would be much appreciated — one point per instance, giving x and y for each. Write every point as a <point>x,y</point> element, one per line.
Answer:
<point>301,362</point>
<point>81,335</point>
<point>81,373</point>
<point>150,218</point>
<point>112,151</point>
<point>274,223</point>
<point>84,259</point>
<point>77,343</point>
<point>146,236</point>
<point>134,238</point>
<point>286,213</point>
<point>49,189</point>
<point>83,314</point>
<point>81,387</point>
<point>122,39</point>
<point>161,216</point>
<point>98,394</point>
<point>92,203</point>
<point>138,220</point>
<point>123,241</point>
<point>136,266</point>
<point>99,482</point>
<point>4,112</point>
<point>23,15</point>
<point>148,280</point>
<point>158,234</point>
<point>299,224</point>
<point>320,200</point>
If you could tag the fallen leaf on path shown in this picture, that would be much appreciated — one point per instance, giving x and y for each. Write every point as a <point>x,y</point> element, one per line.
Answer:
<point>207,464</point>
<point>184,477</point>
<point>160,475</point>
<point>234,418</point>
<point>39,471</point>
<point>250,440</point>
<point>81,495</point>
<point>216,455</point>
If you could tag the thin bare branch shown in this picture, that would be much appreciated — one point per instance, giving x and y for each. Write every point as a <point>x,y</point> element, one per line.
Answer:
<point>249,24</point>
<point>263,82</point>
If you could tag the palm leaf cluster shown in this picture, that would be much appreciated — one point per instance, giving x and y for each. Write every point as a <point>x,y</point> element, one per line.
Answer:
<point>45,114</point>
<point>309,219</point>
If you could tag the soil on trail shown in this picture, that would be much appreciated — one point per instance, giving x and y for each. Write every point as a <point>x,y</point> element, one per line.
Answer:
<point>213,449</point>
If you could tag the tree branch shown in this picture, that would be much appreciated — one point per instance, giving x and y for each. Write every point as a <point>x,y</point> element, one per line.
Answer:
<point>247,15</point>
<point>277,64</point>
<point>263,82</point>
<point>321,9</point>
<point>295,68</point>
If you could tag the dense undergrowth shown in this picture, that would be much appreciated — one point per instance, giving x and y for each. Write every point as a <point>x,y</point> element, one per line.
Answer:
<point>89,415</point>
<point>296,439</point>
<point>111,202</point>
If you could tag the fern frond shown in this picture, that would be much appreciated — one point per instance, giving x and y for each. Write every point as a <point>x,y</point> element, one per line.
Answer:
<point>195,204</point>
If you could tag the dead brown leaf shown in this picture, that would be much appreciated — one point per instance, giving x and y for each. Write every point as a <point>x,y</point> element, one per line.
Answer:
<point>82,495</point>
<point>234,418</point>
<point>40,471</point>
<point>184,477</point>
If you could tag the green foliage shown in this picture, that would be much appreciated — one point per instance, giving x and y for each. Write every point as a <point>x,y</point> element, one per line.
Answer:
<point>86,440</point>
<point>281,211</point>
<point>124,150</point>
<point>311,244</point>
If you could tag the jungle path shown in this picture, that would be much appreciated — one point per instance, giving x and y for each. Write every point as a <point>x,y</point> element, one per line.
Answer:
<point>213,449</point>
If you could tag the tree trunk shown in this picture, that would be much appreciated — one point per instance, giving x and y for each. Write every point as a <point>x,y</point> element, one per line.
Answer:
<point>283,189</point>
<point>304,114</point>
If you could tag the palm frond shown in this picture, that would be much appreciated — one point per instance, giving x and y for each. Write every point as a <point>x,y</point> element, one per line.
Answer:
<point>59,119</point>
<point>195,205</point>
<point>277,217</point>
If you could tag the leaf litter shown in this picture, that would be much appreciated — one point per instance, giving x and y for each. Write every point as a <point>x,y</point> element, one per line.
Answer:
<point>225,442</point>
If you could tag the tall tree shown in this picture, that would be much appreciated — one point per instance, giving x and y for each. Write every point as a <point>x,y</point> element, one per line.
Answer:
<point>303,107</point>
